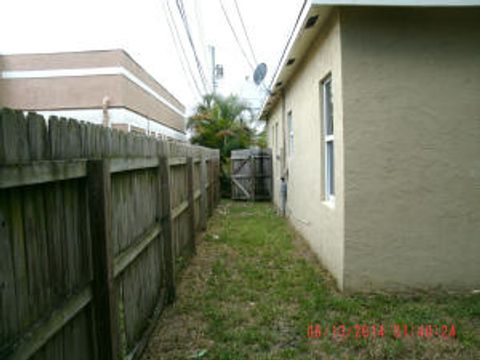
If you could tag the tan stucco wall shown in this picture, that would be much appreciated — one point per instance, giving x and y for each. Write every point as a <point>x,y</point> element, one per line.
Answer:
<point>276,147</point>
<point>86,92</point>
<point>61,92</point>
<point>319,223</point>
<point>85,59</point>
<point>411,96</point>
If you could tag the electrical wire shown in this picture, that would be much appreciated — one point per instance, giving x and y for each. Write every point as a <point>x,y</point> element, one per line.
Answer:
<point>179,47</point>
<point>201,33</point>
<point>183,16</point>
<point>292,32</point>
<point>235,35</point>
<point>186,25</point>
<point>262,83</point>
<point>245,32</point>
<point>299,16</point>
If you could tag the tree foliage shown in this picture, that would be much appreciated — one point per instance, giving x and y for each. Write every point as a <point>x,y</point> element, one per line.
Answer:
<point>222,123</point>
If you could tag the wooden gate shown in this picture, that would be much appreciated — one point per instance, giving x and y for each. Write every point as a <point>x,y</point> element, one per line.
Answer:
<point>252,174</point>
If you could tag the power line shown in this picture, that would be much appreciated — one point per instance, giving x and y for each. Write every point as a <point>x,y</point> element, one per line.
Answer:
<point>201,33</point>
<point>245,32</point>
<point>183,16</point>
<point>235,35</point>
<point>262,84</point>
<point>299,16</point>
<point>179,46</point>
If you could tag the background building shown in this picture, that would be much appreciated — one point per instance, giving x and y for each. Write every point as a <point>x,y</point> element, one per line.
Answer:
<point>106,87</point>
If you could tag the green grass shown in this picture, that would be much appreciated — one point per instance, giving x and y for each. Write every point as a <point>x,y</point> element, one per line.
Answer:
<point>254,287</point>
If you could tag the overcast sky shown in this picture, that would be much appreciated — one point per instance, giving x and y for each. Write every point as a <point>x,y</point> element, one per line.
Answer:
<point>140,27</point>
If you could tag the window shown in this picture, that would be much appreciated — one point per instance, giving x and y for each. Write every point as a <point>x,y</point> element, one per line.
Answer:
<point>290,133</point>
<point>328,138</point>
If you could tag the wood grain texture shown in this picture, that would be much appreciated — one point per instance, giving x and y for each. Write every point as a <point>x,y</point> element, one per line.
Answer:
<point>83,206</point>
<point>166,223</point>
<point>251,174</point>
<point>57,320</point>
<point>124,259</point>
<point>203,191</point>
<point>106,308</point>
<point>191,204</point>
<point>41,172</point>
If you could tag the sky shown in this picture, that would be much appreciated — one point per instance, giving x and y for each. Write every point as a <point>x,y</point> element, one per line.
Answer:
<point>140,27</point>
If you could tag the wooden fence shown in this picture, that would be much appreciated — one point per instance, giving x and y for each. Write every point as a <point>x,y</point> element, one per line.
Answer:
<point>92,224</point>
<point>251,174</point>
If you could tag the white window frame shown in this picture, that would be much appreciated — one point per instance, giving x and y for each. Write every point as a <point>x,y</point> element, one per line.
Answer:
<point>328,157</point>
<point>290,133</point>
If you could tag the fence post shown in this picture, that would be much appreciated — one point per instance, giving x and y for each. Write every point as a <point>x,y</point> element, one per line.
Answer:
<point>104,292</point>
<point>166,224</point>
<point>210,186</point>
<point>191,203</point>
<point>253,174</point>
<point>203,197</point>
<point>217,180</point>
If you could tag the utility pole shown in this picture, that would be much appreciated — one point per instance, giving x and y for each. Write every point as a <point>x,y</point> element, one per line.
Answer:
<point>212,55</point>
<point>217,69</point>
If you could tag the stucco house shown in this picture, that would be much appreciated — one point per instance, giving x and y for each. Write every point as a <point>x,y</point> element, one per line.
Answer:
<point>105,86</point>
<point>374,120</point>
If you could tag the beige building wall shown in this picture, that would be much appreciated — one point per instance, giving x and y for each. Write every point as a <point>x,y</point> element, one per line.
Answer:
<point>85,60</point>
<point>411,119</point>
<point>321,223</point>
<point>87,91</point>
<point>275,142</point>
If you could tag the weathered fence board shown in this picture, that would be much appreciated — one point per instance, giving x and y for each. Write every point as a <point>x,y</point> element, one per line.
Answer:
<point>105,299</point>
<point>92,224</point>
<point>251,174</point>
<point>164,206</point>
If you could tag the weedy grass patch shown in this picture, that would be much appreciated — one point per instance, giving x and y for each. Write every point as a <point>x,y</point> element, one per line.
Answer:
<point>256,291</point>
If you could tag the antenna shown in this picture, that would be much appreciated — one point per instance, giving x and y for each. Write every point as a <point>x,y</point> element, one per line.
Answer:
<point>260,73</point>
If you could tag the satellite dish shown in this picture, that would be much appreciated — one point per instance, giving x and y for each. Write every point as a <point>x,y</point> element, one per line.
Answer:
<point>259,73</point>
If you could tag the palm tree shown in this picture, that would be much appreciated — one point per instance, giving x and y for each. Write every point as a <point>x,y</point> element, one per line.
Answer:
<point>222,123</point>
